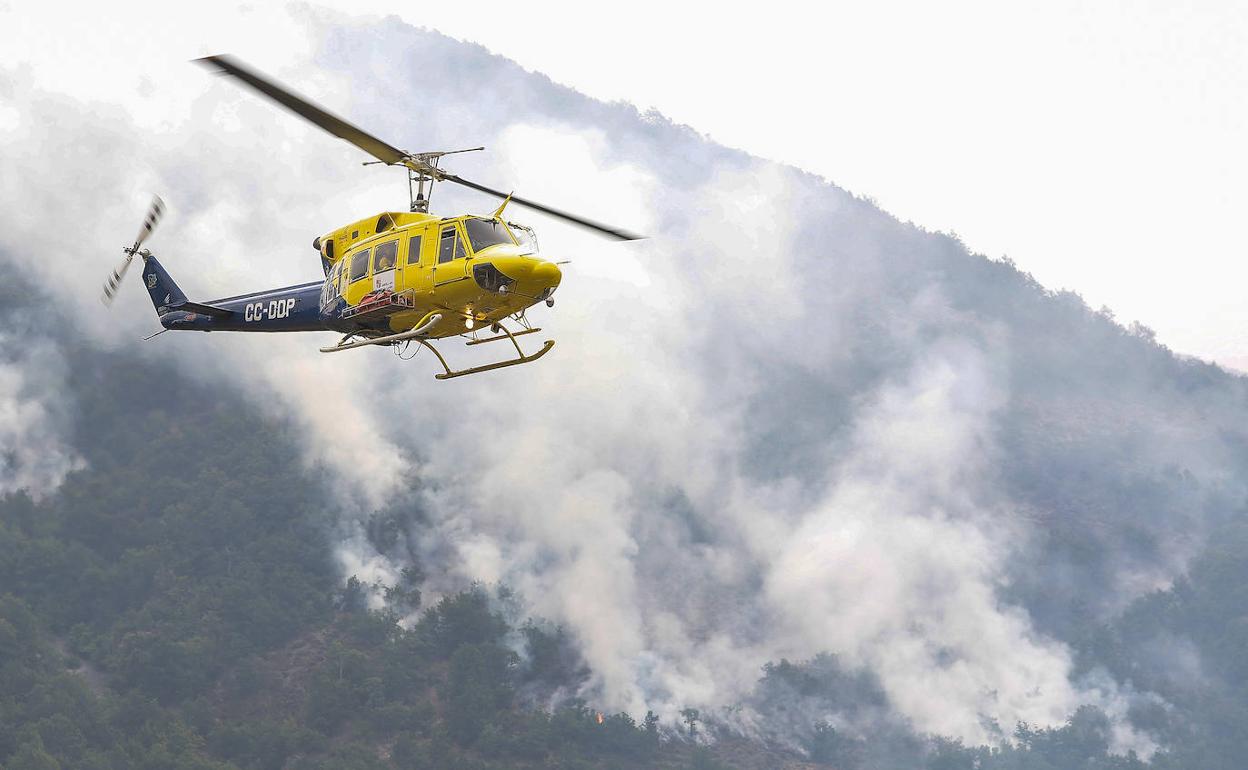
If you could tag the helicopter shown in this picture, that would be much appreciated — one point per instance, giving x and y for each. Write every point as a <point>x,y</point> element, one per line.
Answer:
<point>391,279</point>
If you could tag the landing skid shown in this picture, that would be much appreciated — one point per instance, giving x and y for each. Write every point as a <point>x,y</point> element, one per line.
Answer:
<point>521,358</point>
<point>417,334</point>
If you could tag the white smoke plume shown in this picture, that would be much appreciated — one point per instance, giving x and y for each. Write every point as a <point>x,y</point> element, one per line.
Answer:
<point>36,451</point>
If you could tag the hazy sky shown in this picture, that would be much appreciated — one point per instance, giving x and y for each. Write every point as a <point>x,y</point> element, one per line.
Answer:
<point>1098,145</point>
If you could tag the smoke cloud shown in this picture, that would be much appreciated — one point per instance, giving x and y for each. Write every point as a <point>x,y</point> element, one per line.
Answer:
<point>36,452</point>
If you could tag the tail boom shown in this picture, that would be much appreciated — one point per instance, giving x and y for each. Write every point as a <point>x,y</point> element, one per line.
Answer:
<point>286,309</point>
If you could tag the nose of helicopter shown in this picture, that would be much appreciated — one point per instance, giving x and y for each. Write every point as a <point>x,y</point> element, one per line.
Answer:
<point>534,277</point>
<point>547,275</point>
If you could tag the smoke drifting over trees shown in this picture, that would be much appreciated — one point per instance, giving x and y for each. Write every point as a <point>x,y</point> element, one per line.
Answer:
<point>930,496</point>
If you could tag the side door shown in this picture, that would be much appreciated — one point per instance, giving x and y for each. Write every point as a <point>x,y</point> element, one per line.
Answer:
<point>415,266</point>
<point>452,263</point>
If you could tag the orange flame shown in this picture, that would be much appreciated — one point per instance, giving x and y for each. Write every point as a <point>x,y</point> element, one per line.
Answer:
<point>599,717</point>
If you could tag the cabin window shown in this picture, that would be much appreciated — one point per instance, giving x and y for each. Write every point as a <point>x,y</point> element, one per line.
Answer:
<point>359,265</point>
<point>450,247</point>
<point>413,250</point>
<point>385,257</point>
<point>483,233</point>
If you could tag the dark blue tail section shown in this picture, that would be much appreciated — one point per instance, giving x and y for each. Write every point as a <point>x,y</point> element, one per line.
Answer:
<point>164,292</point>
<point>286,309</point>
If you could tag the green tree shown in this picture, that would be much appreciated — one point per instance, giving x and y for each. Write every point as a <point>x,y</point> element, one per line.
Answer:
<point>461,619</point>
<point>478,687</point>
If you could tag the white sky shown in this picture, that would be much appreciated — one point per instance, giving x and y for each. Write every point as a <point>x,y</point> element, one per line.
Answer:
<point>1099,145</point>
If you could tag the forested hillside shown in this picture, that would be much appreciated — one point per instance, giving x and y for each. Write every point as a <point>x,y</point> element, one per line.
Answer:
<point>174,605</point>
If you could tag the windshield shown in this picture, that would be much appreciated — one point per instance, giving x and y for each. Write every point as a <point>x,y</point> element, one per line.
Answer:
<point>486,232</point>
<point>524,236</point>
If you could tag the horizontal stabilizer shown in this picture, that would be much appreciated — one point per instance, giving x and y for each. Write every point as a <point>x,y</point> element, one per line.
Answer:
<point>195,307</point>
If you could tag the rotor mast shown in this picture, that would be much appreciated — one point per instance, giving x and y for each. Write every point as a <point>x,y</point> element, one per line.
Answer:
<point>422,172</point>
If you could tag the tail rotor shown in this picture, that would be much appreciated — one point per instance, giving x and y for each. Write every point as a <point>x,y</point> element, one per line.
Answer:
<point>113,283</point>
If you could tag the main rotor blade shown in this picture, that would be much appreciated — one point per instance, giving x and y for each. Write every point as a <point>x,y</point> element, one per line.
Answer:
<point>228,65</point>
<point>613,232</point>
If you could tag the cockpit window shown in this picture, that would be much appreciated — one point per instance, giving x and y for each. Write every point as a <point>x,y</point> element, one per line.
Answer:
<point>486,232</point>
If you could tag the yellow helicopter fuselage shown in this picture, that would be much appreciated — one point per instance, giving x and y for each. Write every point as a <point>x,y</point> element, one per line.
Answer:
<point>406,267</point>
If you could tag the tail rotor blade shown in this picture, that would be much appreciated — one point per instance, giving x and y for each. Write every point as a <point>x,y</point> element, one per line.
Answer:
<point>114,280</point>
<point>113,283</point>
<point>154,213</point>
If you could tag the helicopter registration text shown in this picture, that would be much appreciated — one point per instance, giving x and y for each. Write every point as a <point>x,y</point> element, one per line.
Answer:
<point>259,311</point>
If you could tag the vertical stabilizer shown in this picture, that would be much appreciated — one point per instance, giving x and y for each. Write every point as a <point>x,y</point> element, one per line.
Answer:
<point>164,292</point>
